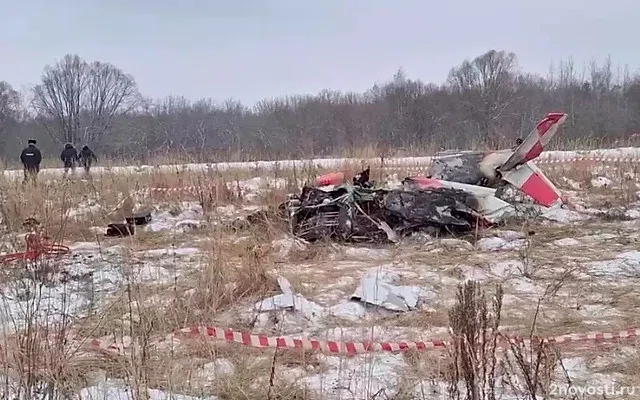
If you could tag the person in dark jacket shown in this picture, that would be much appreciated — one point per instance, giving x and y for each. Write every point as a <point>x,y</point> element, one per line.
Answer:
<point>69,157</point>
<point>31,159</point>
<point>87,157</point>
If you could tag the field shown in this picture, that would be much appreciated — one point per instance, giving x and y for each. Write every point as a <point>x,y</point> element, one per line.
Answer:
<point>168,313</point>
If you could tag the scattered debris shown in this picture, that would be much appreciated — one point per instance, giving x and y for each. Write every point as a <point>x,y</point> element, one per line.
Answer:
<point>291,301</point>
<point>375,288</point>
<point>120,230</point>
<point>141,218</point>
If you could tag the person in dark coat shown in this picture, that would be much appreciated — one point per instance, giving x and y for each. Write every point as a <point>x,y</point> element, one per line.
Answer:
<point>69,157</point>
<point>31,159</point>
<point>87,157</point>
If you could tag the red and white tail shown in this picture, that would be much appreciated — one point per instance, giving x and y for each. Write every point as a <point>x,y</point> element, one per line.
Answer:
<point>534,183</point>
<point>522,173</point>
<point>535,143</point>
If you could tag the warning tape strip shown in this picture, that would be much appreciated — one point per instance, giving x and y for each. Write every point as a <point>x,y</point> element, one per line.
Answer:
<point>352,348</point>
<point>540,160</point>
<point>621,160</point>
<point>336,347</point>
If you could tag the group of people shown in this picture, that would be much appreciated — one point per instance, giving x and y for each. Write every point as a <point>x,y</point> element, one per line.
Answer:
<point>31,158</point>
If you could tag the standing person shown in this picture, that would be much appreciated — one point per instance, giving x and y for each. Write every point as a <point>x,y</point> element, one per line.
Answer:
<point>31,159</point>
<point>87,157</point>
<point>69,157</point>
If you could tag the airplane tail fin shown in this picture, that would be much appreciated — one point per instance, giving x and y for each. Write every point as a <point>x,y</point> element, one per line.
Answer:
<point>529,179</point>
<point>535,143</point>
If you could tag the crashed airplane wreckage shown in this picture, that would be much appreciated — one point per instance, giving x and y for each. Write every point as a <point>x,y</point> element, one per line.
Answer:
<point>462,192</point>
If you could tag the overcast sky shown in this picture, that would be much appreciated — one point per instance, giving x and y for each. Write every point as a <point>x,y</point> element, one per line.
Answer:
<point>249,50</point>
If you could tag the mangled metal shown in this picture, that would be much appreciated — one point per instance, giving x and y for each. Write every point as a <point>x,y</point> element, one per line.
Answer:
<point>462,192</point>
<point>461,168</point>
<point>290,301</point>
<point>375,290</point>
<point>504,168</point>
<point>354,213</point>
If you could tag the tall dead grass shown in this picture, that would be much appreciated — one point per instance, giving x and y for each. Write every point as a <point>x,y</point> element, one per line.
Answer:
<point>233,275</point>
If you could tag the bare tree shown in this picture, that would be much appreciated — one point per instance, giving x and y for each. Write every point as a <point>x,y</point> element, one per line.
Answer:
<point>79,100</point>
<point>109,92</point>
<point>486,101</point>
<point>9,110</point>
<point>58,99</point>
<point>9,104</point>
<point>487,87</point>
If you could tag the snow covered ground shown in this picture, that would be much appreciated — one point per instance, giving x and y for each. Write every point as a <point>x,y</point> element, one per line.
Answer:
<point>627,154</point>
<point>116,297</point>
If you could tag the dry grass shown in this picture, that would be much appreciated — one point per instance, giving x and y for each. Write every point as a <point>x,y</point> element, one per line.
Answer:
<point>231,274</point>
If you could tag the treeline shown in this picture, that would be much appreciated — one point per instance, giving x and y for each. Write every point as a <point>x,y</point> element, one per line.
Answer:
<point>485,101</point>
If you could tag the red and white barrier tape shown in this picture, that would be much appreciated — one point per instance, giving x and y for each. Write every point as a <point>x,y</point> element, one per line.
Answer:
<point>353,348</point>
<point>621,160</point>
<point>263,341</point>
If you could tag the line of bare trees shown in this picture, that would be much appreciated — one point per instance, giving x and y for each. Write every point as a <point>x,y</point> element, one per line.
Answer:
<point>485,101</point>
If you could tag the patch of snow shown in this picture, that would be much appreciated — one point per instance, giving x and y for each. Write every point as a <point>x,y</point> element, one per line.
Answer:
<point>575,367</point>
<point>229,210</point>
<point>598,237</point>
<point>473,273</point>
<point>632,214</point>
<point>455,243</point>
<point>509,235</point>
<point>84,246</point>
<point>154,273</point>
<point>360,377</point>
<point>507,269</point>
<point>632,257</point>
<point>170,221</point>
<point>177,252</point>
<point>250,189</point>
<point>524,285</point>
<point>589,311</point>
<point>571,183</point>
<point>564,215</point>
<point>112,389</point>
<point>626,264</point>
<point>601,181</point>
<point>498,243</point>
<point>80,284</point>
<point>83,210</point>
<point>286,245</point>
<point>364,253</point>
<point>350,310</point>
<point>566,242</point>
<point>214,370</point>
<point>189,225</point>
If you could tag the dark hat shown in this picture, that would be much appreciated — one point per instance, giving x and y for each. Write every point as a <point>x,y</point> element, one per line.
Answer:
<point>31,141</point>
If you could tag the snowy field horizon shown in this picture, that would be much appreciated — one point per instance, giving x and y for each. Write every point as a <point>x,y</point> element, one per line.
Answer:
<point>623,154</point>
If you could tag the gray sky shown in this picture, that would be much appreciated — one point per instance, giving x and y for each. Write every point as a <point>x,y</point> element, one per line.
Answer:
<point>249,50</point>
